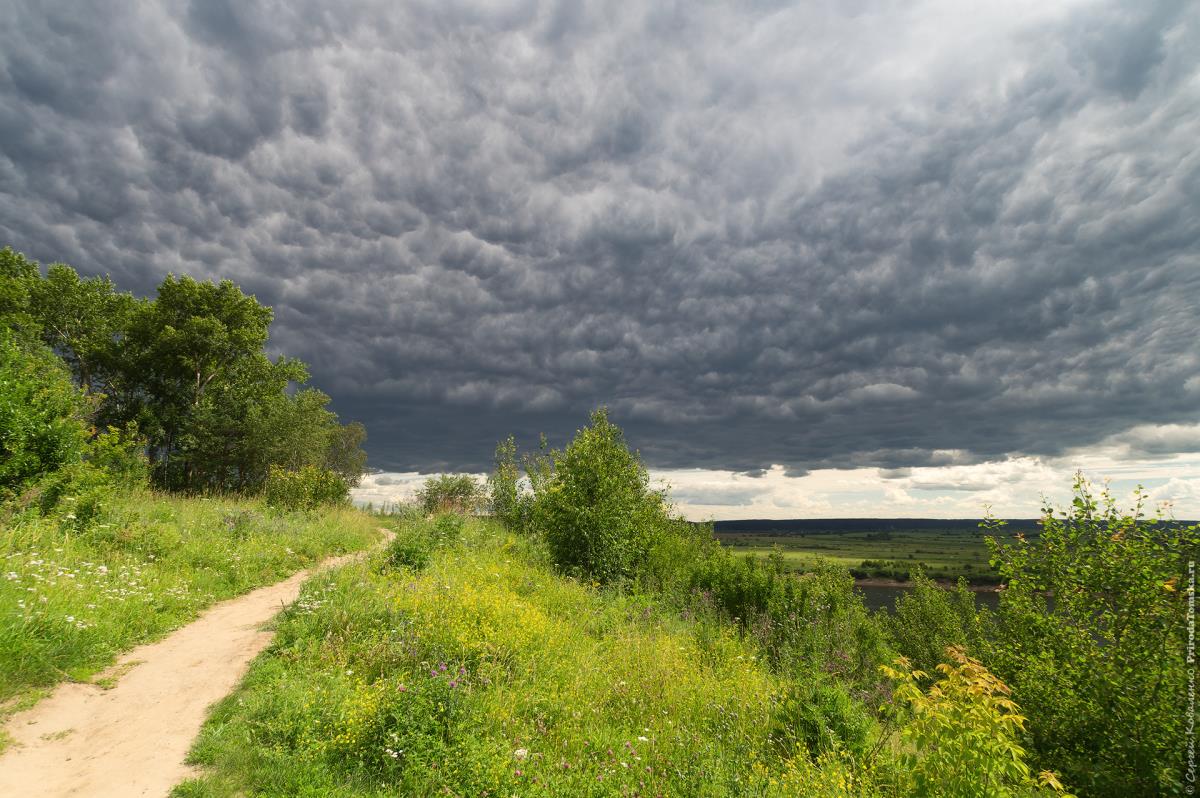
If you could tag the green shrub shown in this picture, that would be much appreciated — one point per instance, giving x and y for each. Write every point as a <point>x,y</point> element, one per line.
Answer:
<point>1090,633</point>
<point>41,415</point>
<point>450,493</point>
<point>305,488</point>
<point>503,485</point>
<point>928,619</point>
<point>416,540</point>
<point>821,716</point>
<point>596,511</point>
<point>409,549</point>
<point>963,734</point>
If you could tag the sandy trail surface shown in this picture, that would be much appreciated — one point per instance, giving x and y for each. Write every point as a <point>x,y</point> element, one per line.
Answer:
<point>131,740</point>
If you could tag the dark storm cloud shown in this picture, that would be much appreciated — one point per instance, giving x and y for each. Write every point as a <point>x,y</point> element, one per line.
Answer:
<point>811,235</point>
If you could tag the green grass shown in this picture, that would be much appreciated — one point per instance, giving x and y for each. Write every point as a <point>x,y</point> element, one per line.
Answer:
<point>72,599</point>
<point>942,555</point>
<point>458,663</point>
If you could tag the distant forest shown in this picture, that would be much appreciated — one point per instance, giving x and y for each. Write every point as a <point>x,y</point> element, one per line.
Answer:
<point>797,526</point>
<point>791,526</point>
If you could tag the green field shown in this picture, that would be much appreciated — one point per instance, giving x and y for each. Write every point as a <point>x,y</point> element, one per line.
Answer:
<point>889,554</point>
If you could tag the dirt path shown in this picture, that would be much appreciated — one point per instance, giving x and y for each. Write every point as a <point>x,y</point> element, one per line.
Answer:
<point>131,740</point>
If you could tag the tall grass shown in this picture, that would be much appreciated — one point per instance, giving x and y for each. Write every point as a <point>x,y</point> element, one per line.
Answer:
<point>74,595</point>
<point>479,671</point>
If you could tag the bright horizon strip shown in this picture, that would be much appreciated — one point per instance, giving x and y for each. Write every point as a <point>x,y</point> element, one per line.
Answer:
<point>1011,488</point>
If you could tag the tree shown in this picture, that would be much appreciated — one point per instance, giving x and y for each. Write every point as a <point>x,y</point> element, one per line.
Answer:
<point>458,493</point>
<point>195,340</point>
<point>962,734</point>
<point>82,321</point>
<point>17,275</point>
<point>597,511</point>
<point>345,455</point>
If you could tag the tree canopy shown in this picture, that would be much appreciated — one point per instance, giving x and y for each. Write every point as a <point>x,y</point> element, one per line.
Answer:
<point>188,367</point>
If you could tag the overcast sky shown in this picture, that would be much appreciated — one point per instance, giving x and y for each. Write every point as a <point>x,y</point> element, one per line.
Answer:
<point>838,258</point>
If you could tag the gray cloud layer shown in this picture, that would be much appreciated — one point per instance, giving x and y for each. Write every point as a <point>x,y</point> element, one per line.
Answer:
<point>816,234</point>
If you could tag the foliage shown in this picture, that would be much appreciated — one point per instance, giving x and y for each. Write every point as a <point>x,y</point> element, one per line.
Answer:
<point>504,485</point>
<point>593,507</point>
<point>1089,634</point>
<point>81,320</point>
<point>76,591</point>
<point>818,715</point>
<point>450,493</point>
<point>415,541</point>
<point>42,415</point>
<point>928,619</point>
<point>814,623</point>
<point>305,489</point>
<point>16,277</point>
<point>597,512</point>
<point>963,734</point>
<point>345,455</point>
<point>187,369</point>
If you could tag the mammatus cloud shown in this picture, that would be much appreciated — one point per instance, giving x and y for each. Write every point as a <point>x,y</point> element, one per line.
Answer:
<point>922,236</point>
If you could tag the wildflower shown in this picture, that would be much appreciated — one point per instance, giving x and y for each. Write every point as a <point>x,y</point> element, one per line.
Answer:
<point>403,689</point>
<point>642,739</point>
<point>521,754</point>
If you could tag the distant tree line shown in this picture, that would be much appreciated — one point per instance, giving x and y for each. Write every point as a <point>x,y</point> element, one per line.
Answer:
<point>184,373</point>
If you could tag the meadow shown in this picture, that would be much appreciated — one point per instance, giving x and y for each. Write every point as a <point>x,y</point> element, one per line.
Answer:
<point>471,668</point>
<point>75,592</point>
<point>944,554</point>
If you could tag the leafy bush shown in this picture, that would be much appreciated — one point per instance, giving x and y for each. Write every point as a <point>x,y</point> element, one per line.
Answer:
<point>305,488</point>
<point>504,485</point>
<point>821,716</point>
<point>927,620</point>
<point>41,415</point>
<point>416,541</point>
<point>812,623</point>
<point>450,493</point>
<point>1089,633</point>
<point>963,734</point>
<point>120,454</point>
<point>596,511</point>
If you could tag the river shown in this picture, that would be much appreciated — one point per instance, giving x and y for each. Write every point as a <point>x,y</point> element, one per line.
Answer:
<point>884,596</point>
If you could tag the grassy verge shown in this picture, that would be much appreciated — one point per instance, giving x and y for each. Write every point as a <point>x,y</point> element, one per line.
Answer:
<point>73,597</point>
<point>470,668</point>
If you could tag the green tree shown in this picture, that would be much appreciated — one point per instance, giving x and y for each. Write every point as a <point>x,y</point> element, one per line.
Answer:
<point>345,455</point>
<point>963,734</point>
<point>1090,633</point>
<point>17,276</point>
<point>596,511</point>
<point>81,320</point>
<point>458,493</point>
<point>195,340</point>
